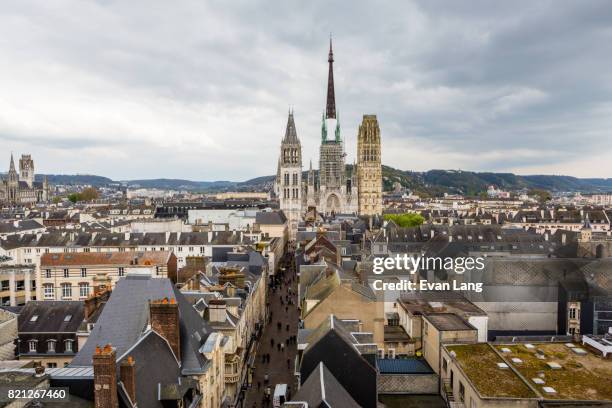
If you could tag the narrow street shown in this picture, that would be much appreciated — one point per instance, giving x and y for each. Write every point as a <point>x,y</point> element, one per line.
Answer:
<point>278,344</point>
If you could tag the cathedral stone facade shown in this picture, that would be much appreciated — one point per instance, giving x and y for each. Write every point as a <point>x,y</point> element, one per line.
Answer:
<point>333,190</point>
<point>20,188</point>
<point>369,169</point>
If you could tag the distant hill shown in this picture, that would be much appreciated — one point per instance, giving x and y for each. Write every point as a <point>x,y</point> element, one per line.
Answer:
<point>179,184</point>
<point>429,183</point>
<point>75,179</point>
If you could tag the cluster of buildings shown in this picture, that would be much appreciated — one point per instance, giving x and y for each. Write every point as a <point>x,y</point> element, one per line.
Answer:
<point>162,302</point>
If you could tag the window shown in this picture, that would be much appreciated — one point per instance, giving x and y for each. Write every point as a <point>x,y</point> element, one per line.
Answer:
<point>66,273</point>
<point>32,346</point>
<point>121,271</point>
<point>461,392</point>
<point>68,346</point>
<point>83,289</point>
<point>51,365</point>
<point>51,346</point>
<point>34,318</point>
<point>83,272</point>
<point>157,270</point>
<point>48,291</point>
<point>66,290</point>
<point>47,273</point>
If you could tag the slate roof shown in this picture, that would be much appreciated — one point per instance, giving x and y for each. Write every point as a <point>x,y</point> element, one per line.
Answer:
<point>117,327</point>
<point>322,389</point>
<point>123,330</point>
<point>51,316</point>
<point>270,217</point>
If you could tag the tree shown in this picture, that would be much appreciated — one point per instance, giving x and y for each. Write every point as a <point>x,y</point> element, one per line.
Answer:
<point>74,197</point>
<point>406,220</point>
<point>89,194</point>
<point>540,194</point>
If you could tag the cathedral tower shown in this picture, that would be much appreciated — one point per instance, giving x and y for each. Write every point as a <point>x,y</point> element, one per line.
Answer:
<point>289,176</point>
<point>26,169</point>
<point>369,167</point>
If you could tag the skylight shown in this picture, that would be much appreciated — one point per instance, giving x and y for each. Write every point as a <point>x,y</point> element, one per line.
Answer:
<point>68,318</point>
<point>34,318</point>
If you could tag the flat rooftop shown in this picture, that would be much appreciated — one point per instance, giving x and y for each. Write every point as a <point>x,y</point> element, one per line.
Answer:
<point>581,375</point>
<point>479,363</point>
<point>448,322</point>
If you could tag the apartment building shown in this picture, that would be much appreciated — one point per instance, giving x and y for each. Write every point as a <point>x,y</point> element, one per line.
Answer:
<point>17,284</point>
<point>29,248</point>
<point>74,276</point>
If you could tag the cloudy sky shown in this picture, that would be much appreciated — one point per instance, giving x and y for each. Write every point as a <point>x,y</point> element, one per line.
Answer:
<point>200,89</point>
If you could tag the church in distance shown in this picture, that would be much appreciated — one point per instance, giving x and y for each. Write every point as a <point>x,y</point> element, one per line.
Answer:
<point>334,189</point>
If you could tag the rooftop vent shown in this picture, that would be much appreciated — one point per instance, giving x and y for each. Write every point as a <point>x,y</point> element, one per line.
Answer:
<point>516,360</point>
<point>570,345</point>
<point>538,380</point>
<point>502,366</point>
<point>549,390</point>
<point>553,366</point>
<point>529,346</point>
<point>580,351</point>
<point>506,350</point>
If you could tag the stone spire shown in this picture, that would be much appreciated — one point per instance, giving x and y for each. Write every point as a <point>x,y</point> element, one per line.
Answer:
<point>290,132</point>
<point>12,173</point>
<point>330,111</point>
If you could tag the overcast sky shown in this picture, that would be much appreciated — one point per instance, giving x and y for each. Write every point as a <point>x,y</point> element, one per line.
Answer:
<point>200,89</point>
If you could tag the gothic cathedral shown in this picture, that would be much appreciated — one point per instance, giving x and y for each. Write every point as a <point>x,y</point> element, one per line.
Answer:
<point>333,190</point>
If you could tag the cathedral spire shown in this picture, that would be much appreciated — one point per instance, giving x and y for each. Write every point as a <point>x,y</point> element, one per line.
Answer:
<point>12,166</point>
<point>290,132</point>
<point>330,111</point>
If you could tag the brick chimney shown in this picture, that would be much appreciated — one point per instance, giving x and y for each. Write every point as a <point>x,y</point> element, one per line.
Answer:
<point>165,321</point>
<point>105,377</point>
<point>127,370</point>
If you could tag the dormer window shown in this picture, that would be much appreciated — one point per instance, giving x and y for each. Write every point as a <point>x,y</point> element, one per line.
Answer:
<point>51,346</point>
<point>68,346</point>
<point>32,346</point>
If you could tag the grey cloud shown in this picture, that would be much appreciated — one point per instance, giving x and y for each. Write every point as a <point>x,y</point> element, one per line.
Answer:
<point>189,82</point>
